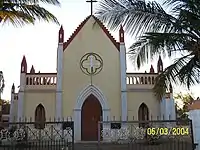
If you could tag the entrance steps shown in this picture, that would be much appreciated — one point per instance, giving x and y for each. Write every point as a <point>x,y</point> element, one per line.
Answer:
<point>95,146</point>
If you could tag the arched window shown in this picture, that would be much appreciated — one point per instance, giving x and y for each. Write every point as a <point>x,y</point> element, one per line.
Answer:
<point>143,114</point>
<point>40,117</point>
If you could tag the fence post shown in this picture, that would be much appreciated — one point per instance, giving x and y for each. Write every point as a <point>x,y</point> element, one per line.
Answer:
<point>194,115</point>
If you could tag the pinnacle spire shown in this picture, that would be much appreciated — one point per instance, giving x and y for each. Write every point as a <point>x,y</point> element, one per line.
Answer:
<point>160,64</point>
<point>61,28</point>
<point>151,69</point>
<point>121,34</point>
<point>24,65</point>
<point>13,88</point>
<point>61,35</point>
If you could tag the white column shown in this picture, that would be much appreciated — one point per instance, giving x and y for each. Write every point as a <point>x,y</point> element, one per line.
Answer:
<point>59,81</point>
<point>20,107</point>
<point>173,107</point>
<point>123,81</point>
<point>77,124</point>
<point>194,115</point>
<point>161,108</point>
<point>168,108</point>
<point>11,114</point>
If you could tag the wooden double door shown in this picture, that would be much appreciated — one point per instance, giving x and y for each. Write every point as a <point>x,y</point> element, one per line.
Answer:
<point>90,116</point>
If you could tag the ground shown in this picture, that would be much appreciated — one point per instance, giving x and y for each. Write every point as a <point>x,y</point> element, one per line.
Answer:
<point>173,144</point>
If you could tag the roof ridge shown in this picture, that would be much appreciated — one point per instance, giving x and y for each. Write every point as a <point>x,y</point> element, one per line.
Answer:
<point>103,27</point>
<point>107,32</point>
<point>74,33</point>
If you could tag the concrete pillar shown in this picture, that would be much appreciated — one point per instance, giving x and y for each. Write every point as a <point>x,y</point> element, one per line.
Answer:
<point>124,109</point>
<point>194,115</point>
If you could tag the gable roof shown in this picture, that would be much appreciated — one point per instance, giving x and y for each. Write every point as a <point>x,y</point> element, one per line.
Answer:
<point>81,26</point>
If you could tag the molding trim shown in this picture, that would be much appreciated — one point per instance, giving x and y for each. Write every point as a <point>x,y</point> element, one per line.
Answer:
<point>91,89</point>
<point>41,91</point>
<point>138,90</point>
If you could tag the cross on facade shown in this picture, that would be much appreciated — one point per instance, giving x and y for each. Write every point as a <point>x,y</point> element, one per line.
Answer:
<point>91,64</point>
<point>91,2</point>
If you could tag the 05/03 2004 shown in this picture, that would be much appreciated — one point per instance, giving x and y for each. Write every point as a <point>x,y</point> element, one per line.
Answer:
<point>184,131</point>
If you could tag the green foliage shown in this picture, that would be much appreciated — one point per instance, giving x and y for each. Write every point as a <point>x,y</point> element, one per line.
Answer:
<point>160,32</point>
<point>5,102</point>
<point>20,12</point>
<point>186,100</point>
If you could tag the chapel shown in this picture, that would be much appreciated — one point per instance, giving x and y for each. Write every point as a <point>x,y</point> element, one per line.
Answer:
<point>91,84</point>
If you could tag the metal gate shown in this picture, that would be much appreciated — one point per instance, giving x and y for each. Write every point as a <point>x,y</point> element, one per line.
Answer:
<point>25,136</point>
<point>146,135</point>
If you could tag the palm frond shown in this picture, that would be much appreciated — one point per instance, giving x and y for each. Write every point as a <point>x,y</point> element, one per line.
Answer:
<point>191,5</point>
<point>159,32</point>
<point>20,12</point>
<point>16,18</point>
<point>38,13</point>
<point>137,16</point>
<point>178,74</point>
<point>33,2</point>
<point>188,74</point>
<point>157,43</point>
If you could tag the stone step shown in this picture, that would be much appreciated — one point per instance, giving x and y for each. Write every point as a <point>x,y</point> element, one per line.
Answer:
<point>103,146</point>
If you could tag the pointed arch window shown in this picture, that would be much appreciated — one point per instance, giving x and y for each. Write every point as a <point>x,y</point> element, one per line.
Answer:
<point>143,114</point>
<point>40,117</point>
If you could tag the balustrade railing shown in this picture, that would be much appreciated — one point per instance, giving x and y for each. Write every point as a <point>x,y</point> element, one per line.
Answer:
<point>140,79</point>
<point>41,79</point>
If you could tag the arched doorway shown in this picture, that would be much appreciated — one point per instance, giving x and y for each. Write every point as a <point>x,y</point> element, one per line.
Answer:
<point>40,117</point>
<point>91,113</point>
<point>143,114</point>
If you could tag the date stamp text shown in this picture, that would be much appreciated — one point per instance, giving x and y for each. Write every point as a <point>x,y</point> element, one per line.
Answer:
<point>174,131</point>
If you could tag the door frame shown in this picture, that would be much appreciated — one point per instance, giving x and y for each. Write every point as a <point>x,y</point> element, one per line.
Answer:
<point>90,89</point>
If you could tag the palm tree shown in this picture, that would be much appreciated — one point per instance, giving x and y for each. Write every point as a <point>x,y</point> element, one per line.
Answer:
<point>20,12</point>
<point>170,27</point>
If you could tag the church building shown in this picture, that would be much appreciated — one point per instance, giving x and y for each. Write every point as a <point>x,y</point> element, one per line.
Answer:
<point>91,84</point>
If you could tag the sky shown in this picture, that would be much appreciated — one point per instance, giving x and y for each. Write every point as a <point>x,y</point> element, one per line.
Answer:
<point>39,44</point>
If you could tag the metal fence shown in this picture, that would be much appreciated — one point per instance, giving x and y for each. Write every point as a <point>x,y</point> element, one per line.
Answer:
<point>146,135</point>
<point>37,136</point>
